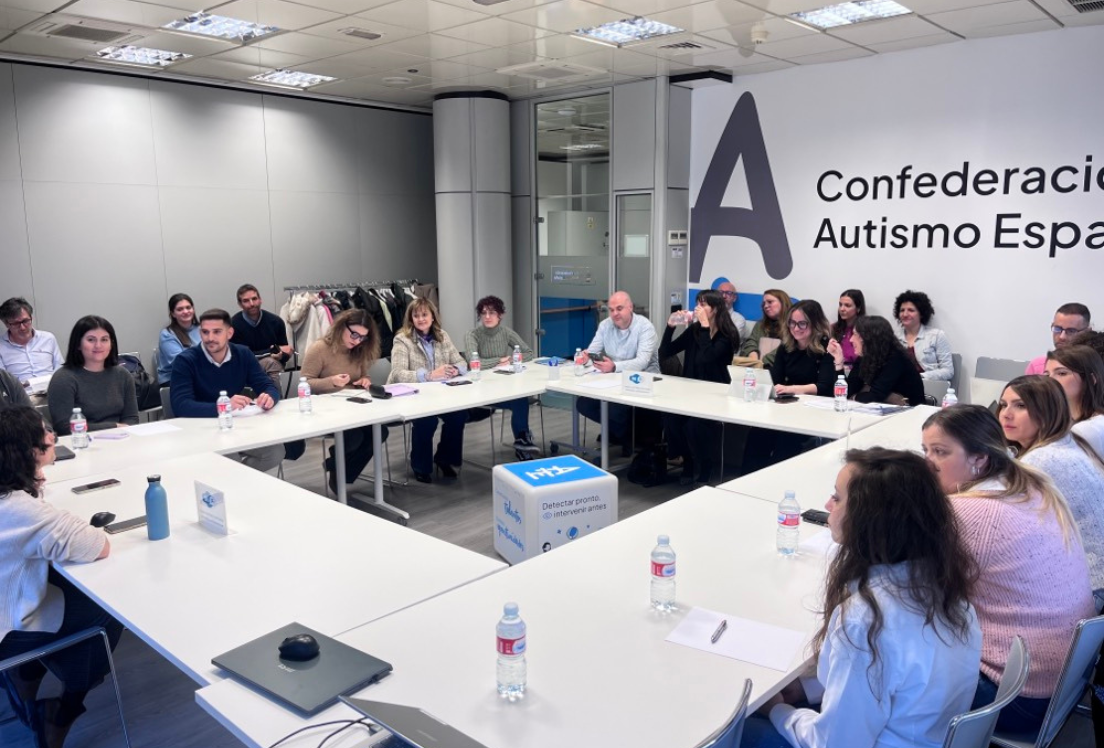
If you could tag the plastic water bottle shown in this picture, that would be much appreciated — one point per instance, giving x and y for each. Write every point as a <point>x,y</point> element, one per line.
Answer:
<point>304,395</point>
<point>511,670</point>
<point>789,525</point>
<point>663,575</point>
<point>749,385</point>
<point>839,391</point>
<point>225,417</point>
<point>515,360</point>
<point>475,367</point>
<point>580,364</point>
<point>78,427</point>
<point>950,398</point>
<point>157,509</point>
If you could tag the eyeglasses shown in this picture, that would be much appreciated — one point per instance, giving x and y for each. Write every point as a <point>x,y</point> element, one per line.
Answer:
<point>356,336</point>
<point>728,294</point>
<point>25,322</point>
<point>796,325</point>
<point>488,313</point>
<point>1067,331</point>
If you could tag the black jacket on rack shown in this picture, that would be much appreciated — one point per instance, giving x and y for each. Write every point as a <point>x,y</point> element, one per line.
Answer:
<point>369,302</point>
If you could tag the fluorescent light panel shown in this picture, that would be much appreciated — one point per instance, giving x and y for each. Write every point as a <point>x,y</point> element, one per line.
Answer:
<point>582,147</point>
<point>220,27</point>
<point>291,78</point>
<point>144,56</point>
<point>627,31</point>
<point>848,13</point>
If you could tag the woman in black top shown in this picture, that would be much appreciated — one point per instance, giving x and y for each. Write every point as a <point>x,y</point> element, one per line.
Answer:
<point>882,372</point>
<point>801,364</point>
<point>708,345</point>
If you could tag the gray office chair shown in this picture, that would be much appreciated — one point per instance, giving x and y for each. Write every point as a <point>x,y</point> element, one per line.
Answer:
<point>729,734</point>
<point>1078,669</point>
<point>1001,369</point>
<point>956,362</point>
<point>975,729</point>
<point>936,389</point>
<point>40,652</point>
<point>166,403</point>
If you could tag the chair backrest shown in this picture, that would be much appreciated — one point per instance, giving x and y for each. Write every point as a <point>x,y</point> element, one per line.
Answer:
<point>1004,369</point>
<point>166,403</point>
<point>936,389</point>
<point>975,729</point>
<point>155,360</point>
<point>956,378</point>
<point>380,371</point>
<point>729,734</point>
<point>1084,649</point>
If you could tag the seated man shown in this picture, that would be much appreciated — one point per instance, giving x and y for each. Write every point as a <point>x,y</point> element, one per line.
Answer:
<point>24,351</point>
<point>625,342</point>
<point>728,291</point>
<point>199,373</point>
<point>1069,320</point>
<point>261,332</point>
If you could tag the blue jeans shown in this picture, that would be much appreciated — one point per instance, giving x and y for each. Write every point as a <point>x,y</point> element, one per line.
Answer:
<point>519,414</point>
<point>619,417</point>
<point>759,732</point>
<point>450,450</point>
<point>1023,715</point>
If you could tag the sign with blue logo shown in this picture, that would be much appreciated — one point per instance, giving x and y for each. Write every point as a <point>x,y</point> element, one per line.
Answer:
<point>637,383</point>
<point>554,471</point>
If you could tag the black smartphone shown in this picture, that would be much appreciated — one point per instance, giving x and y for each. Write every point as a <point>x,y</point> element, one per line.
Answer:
<point>815,516</point>
<point>504,371</point>
<point>824,340</point>
<point>597,356</point>
<point>97,486</point>
<point>358,399</point>
<point>783,399</point>
<point>458,383</point>
<point>127,524</point>
<point>378,391</point>
<point>63,453</point>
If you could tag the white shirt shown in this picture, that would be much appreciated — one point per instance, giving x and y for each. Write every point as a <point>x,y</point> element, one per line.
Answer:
<point>40,357</point>
<point>922,679</point>
<point>740,322</point>
<point>1092,431</point>
<point>633,349</point>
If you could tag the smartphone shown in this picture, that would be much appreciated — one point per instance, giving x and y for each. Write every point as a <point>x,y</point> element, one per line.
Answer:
<point>361,400</point>
<point>63,453</point>
<point>783,399</point>
<point>127,524</point>
<point>815,516</point>
<point>504,371</point>
<point>597,356</point>
<point>457,384</point>
<point>97,486</point>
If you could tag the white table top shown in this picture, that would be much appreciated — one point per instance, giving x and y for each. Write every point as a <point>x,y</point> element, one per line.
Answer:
<point>292,555</point>
<point>599,668</point>
<point>437,397</point>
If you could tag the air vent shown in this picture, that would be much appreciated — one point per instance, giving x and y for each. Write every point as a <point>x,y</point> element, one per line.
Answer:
<point>361,33</point>
<point>688,46</point>
<point>551,71</point>
<point>1087,6</point>
<point>87,30</point>
<point>88,33</point>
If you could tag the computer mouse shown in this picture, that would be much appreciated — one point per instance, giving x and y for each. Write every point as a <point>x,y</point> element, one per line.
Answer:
<point>102,519</point>
<point>300,648</point>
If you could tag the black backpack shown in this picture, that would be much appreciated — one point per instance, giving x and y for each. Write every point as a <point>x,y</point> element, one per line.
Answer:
<point>649,466</point>
<point>146,390</point>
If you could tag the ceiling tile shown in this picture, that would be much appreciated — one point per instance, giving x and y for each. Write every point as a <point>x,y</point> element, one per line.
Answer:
<point>433,46</point>
<point>14,18</point>
<point>495,58</point>
<point>265,58</point>
<point>189,5</point>
<point>837,55</point>
<point>732,59</point>
<point>966,20</point>
<point>445,70</point>
<point>211,68</point>
<point>48,46</point>
<point>344,7</point>
<point>1083,19</point>
<point>887,30</point>
<point>186,43</point>
<point>776,29</point>
<point>1027,27</point>
<point>362,89</point>
<point>377,79</point>
<point>378,58</point>
<point>42,6</point>
<point>332,30</point>
<point>649,8</point>
<point>566,15</point>
<point>496,32</point>
<point>763,67</point>
<point>483,80</point>
<point>125,11</point>
<point>927,7</point>
<point>315,47</point>
<point>423,15</point>
<point>715,14</point>
<point>555,47</point>
<point>921,41</point>
<point>786,7</point>
<point>498,9</point>
<point>805,45</point>
<point>338,67</point>
<point>288,16</point>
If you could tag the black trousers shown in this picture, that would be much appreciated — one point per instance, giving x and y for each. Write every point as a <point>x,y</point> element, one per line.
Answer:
<point>358,450</point>
<point>696,439</point>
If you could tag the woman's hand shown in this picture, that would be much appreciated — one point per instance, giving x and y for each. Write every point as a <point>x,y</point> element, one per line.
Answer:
<point>444,371</point>
<point>339,380</point>
<point>784,389</point>
<point>702,316</point>
<point>504,360</point>
<point>836,352</point>
<point>364,383</point>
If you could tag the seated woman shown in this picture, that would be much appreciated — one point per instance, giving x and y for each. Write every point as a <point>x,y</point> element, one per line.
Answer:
<point>92,380</point>
<point>707,345</point>
<point>927,347</point>
<point>852,306</point>
<point>899,648</point>
<point>1033,577</point>
<point>776,306</point>
<point>882,373</point>
<point>1035,417</point>
<point>1080,371</point>
<point>182,332</point>
<point>423,352</point>
<point>494,342</point>
<point>41,606</point>
<point>339,360</point>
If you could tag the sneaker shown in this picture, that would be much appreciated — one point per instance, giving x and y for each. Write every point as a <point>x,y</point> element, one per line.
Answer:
<point>524,443</point>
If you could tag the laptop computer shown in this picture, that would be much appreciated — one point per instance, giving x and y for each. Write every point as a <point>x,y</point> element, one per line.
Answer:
<point>307,686</point>
<point>412,726</point>
<point>764,383</point>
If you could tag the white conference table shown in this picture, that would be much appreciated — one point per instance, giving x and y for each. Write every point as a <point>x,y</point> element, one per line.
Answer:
<point>812,474</point>
<point>600,672</point>
<point>292,555</point>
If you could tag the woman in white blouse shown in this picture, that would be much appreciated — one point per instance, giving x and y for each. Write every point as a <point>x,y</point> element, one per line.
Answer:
<point>899,649</point>
<point>927,347</point>
<point>1080,371</point>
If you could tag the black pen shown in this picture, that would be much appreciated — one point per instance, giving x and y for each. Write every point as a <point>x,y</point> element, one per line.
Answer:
<point>719,632</point>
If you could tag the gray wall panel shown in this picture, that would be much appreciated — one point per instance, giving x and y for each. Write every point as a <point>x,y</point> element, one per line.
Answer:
<point>208,137</point>
<point>454,261</point>
<point>395,152</point>
<point>522,316</point>
<point>9,135</point>
<point>77,127</point>
<point>633,139</point>
<point>96,249</point>
<point>492,144</point>
<point>678,137</point>
<point>315,237</point>
<point>393,249</point>
<point>521,156</point>
<point>494,271</point>
<point>310,146</point>
<point>452,146</point>
<point>15,280</point>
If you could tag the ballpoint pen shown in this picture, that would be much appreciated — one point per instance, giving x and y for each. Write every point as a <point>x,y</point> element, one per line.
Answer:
<point>719,632</point>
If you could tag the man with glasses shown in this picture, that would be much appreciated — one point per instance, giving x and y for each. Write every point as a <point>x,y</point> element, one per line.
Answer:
<point>24,351</point>
<point>1069,320</point>
<point>728,291</point>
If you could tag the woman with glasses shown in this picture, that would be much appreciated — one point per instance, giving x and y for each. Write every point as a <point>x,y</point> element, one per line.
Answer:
<point>776,306</point>
<point>882,373</point>
<point>1080,371</point>
<point>341,360</point>
<point>92,380</point>
<point>852,306</point>
<point>494,342</point>
<point>927,347</point>
<point>801,364</point>
<point>39,605</point>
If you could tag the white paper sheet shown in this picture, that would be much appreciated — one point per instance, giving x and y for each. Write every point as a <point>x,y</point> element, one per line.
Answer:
<point>151,428</point>
<point>749,641</point>
<point>602,383</point>
<point>817,542</point>
<point>248,411</point>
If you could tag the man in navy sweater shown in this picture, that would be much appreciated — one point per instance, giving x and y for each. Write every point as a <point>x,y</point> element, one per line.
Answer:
<point>199,373</point>
<point>262,332</point>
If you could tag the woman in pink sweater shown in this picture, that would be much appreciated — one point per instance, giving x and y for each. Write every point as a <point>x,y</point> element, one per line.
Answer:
<point>1033,577</point>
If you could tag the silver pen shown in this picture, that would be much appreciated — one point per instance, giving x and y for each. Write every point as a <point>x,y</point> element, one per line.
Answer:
<point>719,632</point>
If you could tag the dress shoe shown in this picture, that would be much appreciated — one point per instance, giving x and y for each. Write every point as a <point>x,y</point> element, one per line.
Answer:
<point>330,468</point>
<point>51,728</point>
<point>422,477</point>
<point>445,470</point>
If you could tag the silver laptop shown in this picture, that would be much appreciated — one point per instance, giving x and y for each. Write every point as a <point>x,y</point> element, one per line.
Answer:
<point>764,383</point>
<point>411,726</point>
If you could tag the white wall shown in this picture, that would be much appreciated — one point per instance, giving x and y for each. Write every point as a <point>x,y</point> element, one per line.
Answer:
<point>117,192</point>
<point>1017,101</point>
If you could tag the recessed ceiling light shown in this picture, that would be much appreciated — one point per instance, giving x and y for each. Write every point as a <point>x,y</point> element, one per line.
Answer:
<point>847,13</point>
<point>291,79</point>
<point>360,33</point>
<point>396,80</point>
<point>627,31</point>
<point>141,56</point>
<point>220,27</point>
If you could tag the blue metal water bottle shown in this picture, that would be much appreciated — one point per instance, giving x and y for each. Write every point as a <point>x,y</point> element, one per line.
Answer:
<point>157,509</point>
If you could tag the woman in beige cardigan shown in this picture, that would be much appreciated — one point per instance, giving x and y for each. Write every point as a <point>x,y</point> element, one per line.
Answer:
<point>341,359</point>
<point>423,352</point>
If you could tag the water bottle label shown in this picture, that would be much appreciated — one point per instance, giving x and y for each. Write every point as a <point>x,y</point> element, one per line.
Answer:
<point>785,519</point>
<point>223,408</point>
<point>476,365</point>
<point>663,570</point>
<point>840,390</point>
<point>579,361</point>
<point>79,427</point>
<point>511,646</point>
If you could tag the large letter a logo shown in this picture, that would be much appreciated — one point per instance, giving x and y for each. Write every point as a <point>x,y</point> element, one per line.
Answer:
<point>762,223</point>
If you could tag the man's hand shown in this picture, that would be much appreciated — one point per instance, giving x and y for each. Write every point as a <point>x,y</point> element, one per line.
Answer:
<point>287,350</point>
<point>265,401</point>
<point>605,365</point>
<point>237,402</point>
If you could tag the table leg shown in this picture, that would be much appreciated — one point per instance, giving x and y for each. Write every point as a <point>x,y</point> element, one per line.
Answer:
<point>604,406</point>
<point>339,466</point>
<point>377,472</point>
